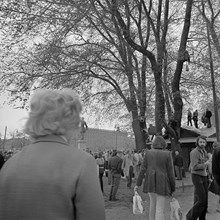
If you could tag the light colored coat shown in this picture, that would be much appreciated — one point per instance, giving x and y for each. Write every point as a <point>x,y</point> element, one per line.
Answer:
<point>50,180</point>
<point>127,162</point>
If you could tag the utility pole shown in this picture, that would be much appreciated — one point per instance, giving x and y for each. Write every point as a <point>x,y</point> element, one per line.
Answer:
<point>4,138</point>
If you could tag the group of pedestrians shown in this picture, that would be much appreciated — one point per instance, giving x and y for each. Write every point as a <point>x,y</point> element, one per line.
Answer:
<point>118,164</point>
<point>205,119</point>
<point>49,179</point>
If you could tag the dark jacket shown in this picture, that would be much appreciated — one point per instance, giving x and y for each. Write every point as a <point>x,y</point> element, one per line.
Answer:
<point>50,180</point>
<point>216,164</point>
<point>158,170</point>
<point>115,165</point>
<point>178,161</point>
<point>2,161</point>
<point>208,114</point>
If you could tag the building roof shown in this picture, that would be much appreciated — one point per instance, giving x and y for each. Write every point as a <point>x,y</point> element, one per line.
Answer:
<point>208,132</point>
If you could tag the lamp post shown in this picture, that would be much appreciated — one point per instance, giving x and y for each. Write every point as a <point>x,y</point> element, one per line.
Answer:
<point>116,136</point>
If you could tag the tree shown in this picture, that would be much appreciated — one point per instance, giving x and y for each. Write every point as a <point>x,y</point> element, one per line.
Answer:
<point>160,32</point>
<point>77,50</point>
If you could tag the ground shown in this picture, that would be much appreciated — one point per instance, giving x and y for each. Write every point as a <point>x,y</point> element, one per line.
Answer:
<point>122,209</point>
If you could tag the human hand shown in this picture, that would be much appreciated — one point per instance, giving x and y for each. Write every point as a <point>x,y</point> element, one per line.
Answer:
<point>208,162</point>
<point>172,195</point>
<point>136,189</point>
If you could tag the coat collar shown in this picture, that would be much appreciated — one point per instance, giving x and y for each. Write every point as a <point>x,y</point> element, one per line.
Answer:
<point>50,138</point>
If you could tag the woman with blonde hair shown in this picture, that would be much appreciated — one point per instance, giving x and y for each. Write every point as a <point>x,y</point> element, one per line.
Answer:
<point>158,171</point>
<point>49,179</point>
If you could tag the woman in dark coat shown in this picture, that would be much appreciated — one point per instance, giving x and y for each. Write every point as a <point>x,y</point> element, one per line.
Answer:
<point>158,171</point>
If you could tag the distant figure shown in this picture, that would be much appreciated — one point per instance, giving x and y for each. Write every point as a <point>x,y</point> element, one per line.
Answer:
<point>189,117</point>
<point>178,165</point>
<point>203,119</point>
<point>208,115</point>
<point>100,161</point>
<point>152,131</point>
<point>84,127</point>
<point>50,179</point>
<point>128,166</point>
<point>115,167</point>
<point>195,118</point>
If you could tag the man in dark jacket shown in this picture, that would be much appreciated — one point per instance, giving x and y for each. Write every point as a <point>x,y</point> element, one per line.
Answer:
<point>189,117</point>
<point>195,118</point>
<point>178,165</point>
<point>115,167</point>
<point>216,164</point>
<point>208,116</point>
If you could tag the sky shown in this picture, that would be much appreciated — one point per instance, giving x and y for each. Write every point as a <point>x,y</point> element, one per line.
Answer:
<point>13,118</point>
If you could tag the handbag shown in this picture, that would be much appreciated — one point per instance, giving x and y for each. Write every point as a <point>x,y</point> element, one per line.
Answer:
<point>137,204</point>
<point>214,187</point>
<point>175,210</point>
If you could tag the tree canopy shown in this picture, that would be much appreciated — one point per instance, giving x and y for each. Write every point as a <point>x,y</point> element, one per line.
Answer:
<point>119,55</point>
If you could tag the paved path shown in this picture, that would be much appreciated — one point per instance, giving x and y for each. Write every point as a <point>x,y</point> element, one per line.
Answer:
<point>122,209</point>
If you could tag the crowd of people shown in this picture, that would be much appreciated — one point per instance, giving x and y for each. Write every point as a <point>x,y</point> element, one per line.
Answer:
<point>205,119</point>
<point>49,179</point>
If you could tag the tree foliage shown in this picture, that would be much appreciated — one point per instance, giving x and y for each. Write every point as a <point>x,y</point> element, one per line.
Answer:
<point>115,53</point>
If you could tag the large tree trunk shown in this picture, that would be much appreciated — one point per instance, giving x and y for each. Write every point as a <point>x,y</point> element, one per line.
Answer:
<point>139,135</point>
<point>177,98</point>
<point>166,89</point>
<point>140,139</point>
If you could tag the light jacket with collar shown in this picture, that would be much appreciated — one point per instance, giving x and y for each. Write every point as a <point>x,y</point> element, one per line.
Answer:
<point>197,159</point>
<point>50,180</point>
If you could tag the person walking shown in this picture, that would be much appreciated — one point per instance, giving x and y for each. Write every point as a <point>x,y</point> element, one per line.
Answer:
<point>195,118</point>
<point>115,167</point>
<point>50,179</point>
<point>158,171</point>
<point>189,117</point>
<point>178,165</point>
<point>128,167</point>
<point>100,161</point>
<point>208,115</point>
<point>199,163</point>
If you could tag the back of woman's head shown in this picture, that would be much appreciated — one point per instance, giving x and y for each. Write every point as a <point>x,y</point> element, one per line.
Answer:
<point>53,112</point>
<point>159,143</point>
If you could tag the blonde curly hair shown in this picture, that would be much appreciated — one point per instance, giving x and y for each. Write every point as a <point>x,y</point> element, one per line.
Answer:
<point>53,112</point>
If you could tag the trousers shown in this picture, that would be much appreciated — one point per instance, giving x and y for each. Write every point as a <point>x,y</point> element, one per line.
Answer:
<point>157,203</point>
<point>115,184</point>
<point>200,205</point>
